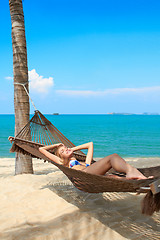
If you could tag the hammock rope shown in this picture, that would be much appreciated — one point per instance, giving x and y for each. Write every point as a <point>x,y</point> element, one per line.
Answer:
<point>23,84</point>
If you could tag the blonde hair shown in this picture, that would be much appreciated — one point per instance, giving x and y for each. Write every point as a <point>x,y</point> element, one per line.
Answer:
<point>56,152</point>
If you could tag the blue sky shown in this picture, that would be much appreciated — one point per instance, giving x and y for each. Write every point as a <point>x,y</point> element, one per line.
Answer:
<point>86,56</point>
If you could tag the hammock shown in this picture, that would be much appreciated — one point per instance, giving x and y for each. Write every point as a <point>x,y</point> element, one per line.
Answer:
<point>39,131</point>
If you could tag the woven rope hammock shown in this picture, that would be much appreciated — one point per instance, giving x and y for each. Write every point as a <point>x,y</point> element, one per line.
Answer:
<point>40,131</point>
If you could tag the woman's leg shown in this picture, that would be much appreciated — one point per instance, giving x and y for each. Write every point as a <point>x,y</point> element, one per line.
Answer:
<point>117,163</point>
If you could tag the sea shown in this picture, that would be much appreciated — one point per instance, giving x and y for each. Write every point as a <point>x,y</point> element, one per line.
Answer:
<point>126,135</point>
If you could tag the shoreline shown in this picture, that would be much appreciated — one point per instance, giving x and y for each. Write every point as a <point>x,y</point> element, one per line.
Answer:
<point>138,162</point>
<point>128,159</point>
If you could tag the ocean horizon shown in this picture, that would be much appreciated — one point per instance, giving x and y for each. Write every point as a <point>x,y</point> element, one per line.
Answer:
<point>128,135</point>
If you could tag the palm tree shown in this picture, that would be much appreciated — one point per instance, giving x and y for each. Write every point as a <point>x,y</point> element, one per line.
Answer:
<point>20,72</point>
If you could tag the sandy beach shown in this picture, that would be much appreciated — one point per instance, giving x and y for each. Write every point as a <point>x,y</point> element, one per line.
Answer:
<point>47,206</point>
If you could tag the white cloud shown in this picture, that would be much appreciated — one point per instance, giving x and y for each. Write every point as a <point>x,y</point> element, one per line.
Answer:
<point>115,91</point>
<point>9,78</point>
<point>39,83</point>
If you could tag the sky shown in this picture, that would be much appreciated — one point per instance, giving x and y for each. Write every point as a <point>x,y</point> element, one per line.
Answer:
<point>86,57</point>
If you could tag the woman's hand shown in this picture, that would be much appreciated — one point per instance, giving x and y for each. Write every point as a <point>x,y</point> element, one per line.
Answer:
<point>58,144</point>
<point>88,146</point>
<point>10,139</point>
<point>50,147</point>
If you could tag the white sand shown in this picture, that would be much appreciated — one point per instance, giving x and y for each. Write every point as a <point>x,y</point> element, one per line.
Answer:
<point>46,206</point>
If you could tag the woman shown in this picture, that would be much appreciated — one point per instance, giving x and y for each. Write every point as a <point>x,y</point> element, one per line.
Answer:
<point>64,155</point>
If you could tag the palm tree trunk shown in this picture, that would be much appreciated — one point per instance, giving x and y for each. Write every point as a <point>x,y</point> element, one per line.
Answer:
<point>20,71</point>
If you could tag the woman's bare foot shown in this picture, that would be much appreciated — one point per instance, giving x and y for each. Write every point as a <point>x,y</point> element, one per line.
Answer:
<point>133,173</point>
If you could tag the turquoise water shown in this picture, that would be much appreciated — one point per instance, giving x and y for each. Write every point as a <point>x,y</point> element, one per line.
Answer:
<point>129,136</point>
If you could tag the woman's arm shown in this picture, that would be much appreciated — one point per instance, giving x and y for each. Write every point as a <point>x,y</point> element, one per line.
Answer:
<point>88,146</point>
<point>45,150</point>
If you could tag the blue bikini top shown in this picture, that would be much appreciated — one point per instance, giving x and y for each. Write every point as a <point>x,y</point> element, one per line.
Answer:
<point>75,162</point>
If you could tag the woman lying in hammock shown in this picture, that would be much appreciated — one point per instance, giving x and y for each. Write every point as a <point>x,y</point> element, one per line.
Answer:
<point>63,155</point>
